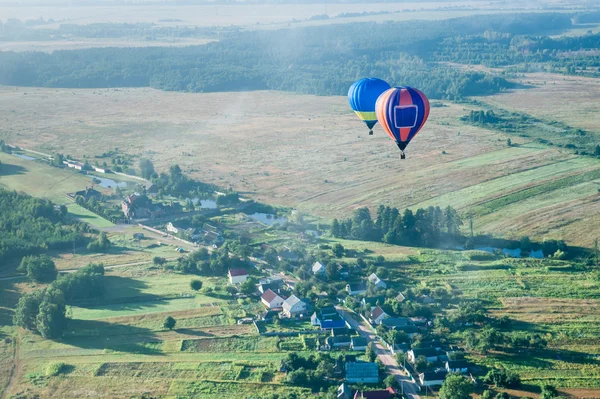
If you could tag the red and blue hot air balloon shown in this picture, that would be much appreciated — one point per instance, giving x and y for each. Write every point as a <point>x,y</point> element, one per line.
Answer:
<point>363,95</point>
<point>402,111</point>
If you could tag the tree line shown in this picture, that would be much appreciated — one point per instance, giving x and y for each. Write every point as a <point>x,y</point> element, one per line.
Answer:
<point>44,310</point>
<point>424,227</point>
<point>321,60</point>
<point>31,226</point>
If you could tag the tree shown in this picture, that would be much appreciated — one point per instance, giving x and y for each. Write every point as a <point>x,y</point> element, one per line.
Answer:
<point>248,287</point>
<point>196,285</point>
<point>391,382</point>
<point>146,168</point>
<point>335,228</point>
<point>27,310</point>
<point>40,269</point>
<point>331,271</point>
<point>51,320</point>
<point>338,250</point>
<point>455,387</point>
<point>169,323</point>
<point>421,363</point>
<point>371,352</point>
<point>548,392</point>
<point>509,142</point>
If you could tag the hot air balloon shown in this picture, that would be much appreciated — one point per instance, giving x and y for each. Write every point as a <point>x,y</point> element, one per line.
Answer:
<point>402,112</point>
<point>362,96</point>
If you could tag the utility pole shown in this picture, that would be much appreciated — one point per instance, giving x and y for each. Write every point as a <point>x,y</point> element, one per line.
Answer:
<point>596,252</point>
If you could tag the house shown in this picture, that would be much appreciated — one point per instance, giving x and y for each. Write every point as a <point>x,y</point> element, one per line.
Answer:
<point>380,394</point>
<point>400,297</point>
<point>377,282</point>
<point>344,392</point>
<point>88,194</point>
<point>271,300</point>
<point>74,164</point>
<point>237,276</point>
<point>356,288</point>
<point>318,269</point>
<point>333,323</point>
<point>377,315</point>
<point>343,271</point>
<point>314,320</point>
<point>395,322</point>
<point>363,372</point>
<point>431,354</point>
<point>151,189</point>
<point>293,307</point>
<point>409,330</point>
<point>431,344</point>
<point>368,303</point>
<point>287,254</point>
<point>418,321</point>
<point>328,311</point>
<point>358,343</point>
<point>432,378</point>
<point>274,283</point>
<point>457,366</point>
<point>339,341</point>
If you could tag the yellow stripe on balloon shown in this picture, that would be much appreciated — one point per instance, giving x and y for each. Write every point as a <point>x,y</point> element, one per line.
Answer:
<point>366,116</point>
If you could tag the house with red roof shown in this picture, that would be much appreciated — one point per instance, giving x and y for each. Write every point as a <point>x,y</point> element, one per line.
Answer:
<point>237,276</point>
<point>271,300</point>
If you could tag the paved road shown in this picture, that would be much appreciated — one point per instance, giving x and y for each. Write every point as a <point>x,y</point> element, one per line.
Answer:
<point>410,388</point>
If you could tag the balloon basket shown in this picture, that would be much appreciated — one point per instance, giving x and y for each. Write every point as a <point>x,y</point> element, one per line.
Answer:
<point>370,132</point>
<point>403,156</point>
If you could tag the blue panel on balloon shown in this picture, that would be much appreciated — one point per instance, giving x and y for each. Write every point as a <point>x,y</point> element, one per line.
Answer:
<point>405,116</point>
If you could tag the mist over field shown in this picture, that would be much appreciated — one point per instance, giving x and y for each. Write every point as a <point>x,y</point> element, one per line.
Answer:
<point>191,204</point>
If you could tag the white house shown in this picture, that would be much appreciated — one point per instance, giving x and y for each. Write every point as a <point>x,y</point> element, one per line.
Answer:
<point>237,276</point>
<point>271,300</point>
<point>356,288</point>
<point>457,366</point>
<point>318,269</point>
<point>293,306</point>
<point>314,320</point>
<point>377,282</point>
<point>431,354</point>
<point>432,378</point>
<point>377,315</point>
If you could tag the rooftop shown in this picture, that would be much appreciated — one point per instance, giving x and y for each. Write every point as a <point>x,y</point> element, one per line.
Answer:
<point>238,272</point>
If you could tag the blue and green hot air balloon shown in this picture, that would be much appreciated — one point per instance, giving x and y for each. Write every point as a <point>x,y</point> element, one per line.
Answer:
<point>363,95</point>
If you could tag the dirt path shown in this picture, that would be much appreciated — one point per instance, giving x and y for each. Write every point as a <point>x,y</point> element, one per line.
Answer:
<point>15,373</point>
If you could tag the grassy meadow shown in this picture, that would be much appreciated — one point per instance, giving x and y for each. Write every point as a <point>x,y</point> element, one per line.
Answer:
<point>325,164</point>
<point>117,346</point>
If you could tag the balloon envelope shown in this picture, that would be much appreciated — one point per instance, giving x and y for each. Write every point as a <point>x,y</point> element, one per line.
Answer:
<point>362,97</point>
<point>402,112</point>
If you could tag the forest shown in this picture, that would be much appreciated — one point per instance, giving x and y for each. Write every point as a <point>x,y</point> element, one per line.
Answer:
<point>30,226</point>
<point>424,227</point>
<point>321,60</point>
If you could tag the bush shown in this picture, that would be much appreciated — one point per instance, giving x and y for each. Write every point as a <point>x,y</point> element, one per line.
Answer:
<point>54,369</point>
<point>40,269</point>
<point>196,285</point>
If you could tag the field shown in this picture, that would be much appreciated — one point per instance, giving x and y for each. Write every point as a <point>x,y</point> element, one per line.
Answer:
<point>77,44</point>
<point>569,99</point>
<point>116,346</point>
<point>326,164</point>
<point>245,15</point>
